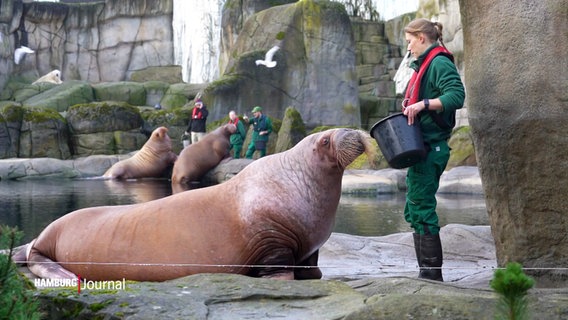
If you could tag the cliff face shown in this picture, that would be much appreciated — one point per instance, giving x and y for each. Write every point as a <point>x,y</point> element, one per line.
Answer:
<point>95,42</point>
<point>315,71</point>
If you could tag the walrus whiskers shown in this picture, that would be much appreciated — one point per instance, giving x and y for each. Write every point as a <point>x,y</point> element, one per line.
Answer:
<point>353,145</point>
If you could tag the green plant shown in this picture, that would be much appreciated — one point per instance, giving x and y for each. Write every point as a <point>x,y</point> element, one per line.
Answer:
<point>512,285</point>
<point>16,298</point>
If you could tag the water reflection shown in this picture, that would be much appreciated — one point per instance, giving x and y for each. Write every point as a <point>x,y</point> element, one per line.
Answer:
<point>32,204</point>
<point>384,214</point>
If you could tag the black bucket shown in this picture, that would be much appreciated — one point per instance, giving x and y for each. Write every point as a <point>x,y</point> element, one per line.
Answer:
<point>401,144</point>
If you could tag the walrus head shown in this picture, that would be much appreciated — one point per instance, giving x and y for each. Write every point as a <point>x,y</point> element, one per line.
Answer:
<point>162,141</point>
<point>160,133</point>
<point>348,144</point>
<point>231,128</point>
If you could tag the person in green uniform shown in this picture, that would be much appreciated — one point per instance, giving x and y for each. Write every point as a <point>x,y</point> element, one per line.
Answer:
<point>237,139</point>
<point>262,127</point>
<point>433,95</point>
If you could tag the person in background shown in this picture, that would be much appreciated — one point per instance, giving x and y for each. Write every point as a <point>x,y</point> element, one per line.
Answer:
<point>262,127</point>
<point>433,95</point>
<point>196,127</point>
<point>238,138</point>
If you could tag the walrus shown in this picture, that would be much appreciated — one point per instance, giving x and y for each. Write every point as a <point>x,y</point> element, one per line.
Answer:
<point>53,77</point>
<point>150,161</point>
<point>196,159</point>
<point>268,221</point>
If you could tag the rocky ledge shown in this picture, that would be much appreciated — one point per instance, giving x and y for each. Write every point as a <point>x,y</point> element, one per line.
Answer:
<point>463,180</point>
<point>364,278</point>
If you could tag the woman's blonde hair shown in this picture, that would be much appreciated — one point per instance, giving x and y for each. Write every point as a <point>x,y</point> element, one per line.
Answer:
<point>432,30</point>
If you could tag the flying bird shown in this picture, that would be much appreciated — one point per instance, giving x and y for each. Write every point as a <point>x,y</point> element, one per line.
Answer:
<point>268,62</point>
<point>20,53</point>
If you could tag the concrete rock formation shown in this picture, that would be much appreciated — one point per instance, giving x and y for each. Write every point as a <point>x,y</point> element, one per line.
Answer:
<point>85,40</point>
<point>518,96</point>
<point>315,71</point>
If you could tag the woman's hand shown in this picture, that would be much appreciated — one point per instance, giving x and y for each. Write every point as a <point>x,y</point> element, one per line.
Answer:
<point>412,111</point>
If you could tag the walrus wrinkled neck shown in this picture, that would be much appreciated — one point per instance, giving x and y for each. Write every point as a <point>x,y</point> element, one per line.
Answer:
<point>152,153</point>
<point>310,177</point>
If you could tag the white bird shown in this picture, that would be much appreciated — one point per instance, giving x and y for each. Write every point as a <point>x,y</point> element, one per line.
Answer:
<point>268,62</point>
<point>20,53</point>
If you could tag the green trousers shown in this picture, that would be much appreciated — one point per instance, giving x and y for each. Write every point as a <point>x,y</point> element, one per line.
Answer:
<point>422,181</point>
<point>252,148</point>
<point>237,148</point>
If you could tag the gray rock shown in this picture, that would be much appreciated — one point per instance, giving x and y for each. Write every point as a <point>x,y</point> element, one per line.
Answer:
<point>462,149</point>
<point>36,168</point>
<point>234,13</point>
<point>462,180</point>
<point>459,180</point>
<point>519,128</point>
<point>82,40</point>
<point>96,165</point>
<point>225,170</point>
<point>370,182</point>
<point>11,116</point>
<point>365,278</point>
<point>167,74</point>
<point>106,116</point>
<point>131,92</point>
<point>180,94</point>
<point>62,96</point>
<point>315,71</point>
<point>43,133</point>
<point>291,131</point>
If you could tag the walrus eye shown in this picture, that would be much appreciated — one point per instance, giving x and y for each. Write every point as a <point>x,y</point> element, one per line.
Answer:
<point>325,141</point>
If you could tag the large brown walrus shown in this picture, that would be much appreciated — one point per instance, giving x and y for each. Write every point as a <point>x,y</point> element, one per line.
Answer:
<point>150,161</point>
<point>267,221</point>
<point>196,159</point>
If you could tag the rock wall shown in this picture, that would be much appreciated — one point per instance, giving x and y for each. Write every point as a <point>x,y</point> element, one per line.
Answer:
<point>235,13</point>
<point>102,41</point>
<point>518,96</point>
<point>315,71</point>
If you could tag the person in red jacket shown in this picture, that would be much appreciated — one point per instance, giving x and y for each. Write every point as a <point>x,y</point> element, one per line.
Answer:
<point>196,126</point>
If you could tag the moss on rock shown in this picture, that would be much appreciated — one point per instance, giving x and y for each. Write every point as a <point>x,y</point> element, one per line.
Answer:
<point>131,92</point>
<point>42,115</point>
<point>226,83</point>
<point>12,112</point>
<point>103,117</point>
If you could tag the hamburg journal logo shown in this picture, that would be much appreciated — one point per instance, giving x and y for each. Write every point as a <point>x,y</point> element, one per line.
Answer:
<point>80,284</point>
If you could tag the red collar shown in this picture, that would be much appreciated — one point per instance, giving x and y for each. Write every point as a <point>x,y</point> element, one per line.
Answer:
<point>413,88</point>
<point>197,112</point>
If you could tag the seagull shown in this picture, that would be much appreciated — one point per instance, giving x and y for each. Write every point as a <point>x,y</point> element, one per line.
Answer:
<point>268,58</point>
<point>20,53</point>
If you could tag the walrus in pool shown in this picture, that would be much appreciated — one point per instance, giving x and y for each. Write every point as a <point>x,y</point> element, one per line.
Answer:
<point>150,161</point>
<point>267,221</point>
<point>198,158</point>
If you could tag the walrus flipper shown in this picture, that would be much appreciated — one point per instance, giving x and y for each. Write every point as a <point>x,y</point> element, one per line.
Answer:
<point>19,254</point>
<point>312,271</point>
<point>44,267</point>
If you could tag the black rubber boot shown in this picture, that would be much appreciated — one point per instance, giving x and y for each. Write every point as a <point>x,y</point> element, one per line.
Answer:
<point>429,256</point>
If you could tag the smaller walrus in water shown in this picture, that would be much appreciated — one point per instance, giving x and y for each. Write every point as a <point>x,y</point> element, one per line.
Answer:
<point>151,161</point>
<point>196,159</point>
<point>270,220</point>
